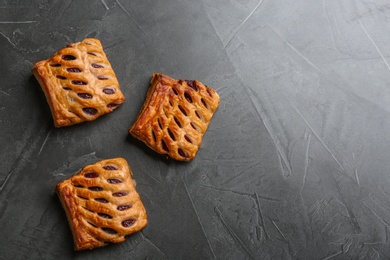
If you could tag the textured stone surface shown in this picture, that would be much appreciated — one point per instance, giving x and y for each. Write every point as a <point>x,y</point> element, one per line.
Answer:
<point>295,163</point>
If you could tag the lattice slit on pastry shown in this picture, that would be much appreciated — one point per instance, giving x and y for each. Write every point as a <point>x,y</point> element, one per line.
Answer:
<point>79,83</point>
<point>175,116</point>
<point>102,204</point>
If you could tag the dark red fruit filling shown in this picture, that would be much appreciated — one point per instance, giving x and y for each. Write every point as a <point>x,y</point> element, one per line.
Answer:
<point>174,91</point>
<point>192,84</point>
<point>108,91</point>
<point>210,92</point>
<point>60,77</point>
<point>112,105</point>
<point>109,231</point>
<point>68,57</point>
<point>188,97</point>
<point>171,134</point>
<point>205,104</point>
<point>55,65</point>
<point>199,115</point>
<point>154,136</point>
<point>120,193</point>
<point>84,95</point>
<point>104,215</point>
<point>91,175</point>
<point>90,110</point>
<point>79,82</point>
<point>79,186</point>
<point>195,127</point>
<point>73,70</point>
<point>164,146</point>
<point>114,180</point>
<point>92,224</point>
<point>95,188</point>
<point>66,88</point>
<point>165,112</point>
<point>124,207</point>
<point>181,152</point>
<point>182,110</point>
<point>102,78</point>
<point>128,222</point>
<point>81,197</point>
<point>97,66</point>
<point>177,122</point>
<point>110,167</point>
<point>101,200</point>
<point>188,139</point>
<point>159,123</point>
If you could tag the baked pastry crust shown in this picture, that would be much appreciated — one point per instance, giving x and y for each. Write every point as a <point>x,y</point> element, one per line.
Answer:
<point>101,204</point>
<point>79,83</point>
<point>175,116</point>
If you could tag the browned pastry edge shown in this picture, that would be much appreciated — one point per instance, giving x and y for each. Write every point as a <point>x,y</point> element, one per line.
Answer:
<point>39,70</point>
<point>82,240</point>
<point>149,110</point>
<point>134,129</point>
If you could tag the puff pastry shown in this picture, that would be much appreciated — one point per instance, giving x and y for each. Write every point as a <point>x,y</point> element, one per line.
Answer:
<point>175,116</point>
<point>79,83</point>
<point>101,204</point>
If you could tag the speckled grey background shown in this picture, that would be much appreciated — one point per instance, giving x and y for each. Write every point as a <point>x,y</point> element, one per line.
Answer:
<point>295,163</point>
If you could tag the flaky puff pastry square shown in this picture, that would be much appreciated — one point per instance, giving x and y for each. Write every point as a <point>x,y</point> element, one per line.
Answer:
<point>101,204</point>
<point>79,83</point>
<point>175,116</point>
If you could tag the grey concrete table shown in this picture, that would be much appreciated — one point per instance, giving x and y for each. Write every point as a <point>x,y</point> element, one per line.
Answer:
<point>295,163</point>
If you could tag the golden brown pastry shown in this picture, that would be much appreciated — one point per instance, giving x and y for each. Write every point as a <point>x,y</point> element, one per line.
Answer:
<point>101,204</point>
<point>175,116</point>
<point>79,83</point>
